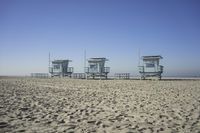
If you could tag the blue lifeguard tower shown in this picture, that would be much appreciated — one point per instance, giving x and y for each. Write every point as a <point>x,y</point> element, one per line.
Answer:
<point>60,68</point>
<point>96,68</point>
<point>151,67</point>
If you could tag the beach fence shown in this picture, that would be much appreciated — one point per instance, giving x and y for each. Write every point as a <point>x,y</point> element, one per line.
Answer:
<point>39,75</point>
<point>78,75</point>
<point>122,75</point>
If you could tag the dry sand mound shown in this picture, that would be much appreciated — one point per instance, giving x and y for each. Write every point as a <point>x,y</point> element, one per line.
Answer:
<point>66,105</point>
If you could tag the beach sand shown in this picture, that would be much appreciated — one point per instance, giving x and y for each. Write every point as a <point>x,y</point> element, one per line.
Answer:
<point>104,106</point>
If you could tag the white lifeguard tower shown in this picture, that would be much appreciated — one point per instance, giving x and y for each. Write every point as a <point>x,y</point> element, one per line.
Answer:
<point>151,67</point>
<point>60,68</point>
<point>96,68</point>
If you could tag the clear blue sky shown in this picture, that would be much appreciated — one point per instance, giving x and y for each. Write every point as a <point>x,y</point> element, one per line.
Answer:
<point>116,29</point>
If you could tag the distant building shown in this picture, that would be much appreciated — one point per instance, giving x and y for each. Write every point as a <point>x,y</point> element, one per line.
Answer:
<point>60,68</point>
<point>96,68</point>
<point>151,67</point>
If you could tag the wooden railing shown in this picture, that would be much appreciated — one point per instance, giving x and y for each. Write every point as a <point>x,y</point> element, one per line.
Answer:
<point>90,70</point>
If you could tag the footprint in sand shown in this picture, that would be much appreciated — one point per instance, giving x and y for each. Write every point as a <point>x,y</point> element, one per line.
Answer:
<point>3,124</point>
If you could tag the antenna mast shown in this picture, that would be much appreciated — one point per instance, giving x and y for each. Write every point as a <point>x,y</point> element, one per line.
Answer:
<point>49,60</point>
<point>139,57</point>
<point>84,59</point>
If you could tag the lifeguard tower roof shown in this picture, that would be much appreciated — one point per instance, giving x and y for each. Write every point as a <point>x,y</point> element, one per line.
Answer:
<point>97,59</point>
<point>60,61</point>
<point>156,57</point>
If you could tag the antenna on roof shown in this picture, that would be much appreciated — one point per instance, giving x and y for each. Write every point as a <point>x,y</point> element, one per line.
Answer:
<point>84,59</point>
<point>84,70</point>
<point>139,57</point>
<point>49,60</point>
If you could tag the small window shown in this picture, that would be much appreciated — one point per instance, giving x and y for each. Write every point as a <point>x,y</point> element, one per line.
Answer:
<point>56,66</point>
<point>93,66</point>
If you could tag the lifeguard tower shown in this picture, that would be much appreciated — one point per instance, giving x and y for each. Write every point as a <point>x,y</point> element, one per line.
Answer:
<point>60,68</point>
<point>151,67</point>
<point>96,68</point>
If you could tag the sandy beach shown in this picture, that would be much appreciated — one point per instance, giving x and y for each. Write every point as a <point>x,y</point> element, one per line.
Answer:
<point>103,106</point>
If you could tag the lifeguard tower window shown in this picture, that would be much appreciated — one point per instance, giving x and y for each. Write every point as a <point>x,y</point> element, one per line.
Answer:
<point>150,64</point>
<point>56,66</point>
<point>93,67</point>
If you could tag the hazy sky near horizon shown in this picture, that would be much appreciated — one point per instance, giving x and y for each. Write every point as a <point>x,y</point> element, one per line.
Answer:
<point>115,29</point>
